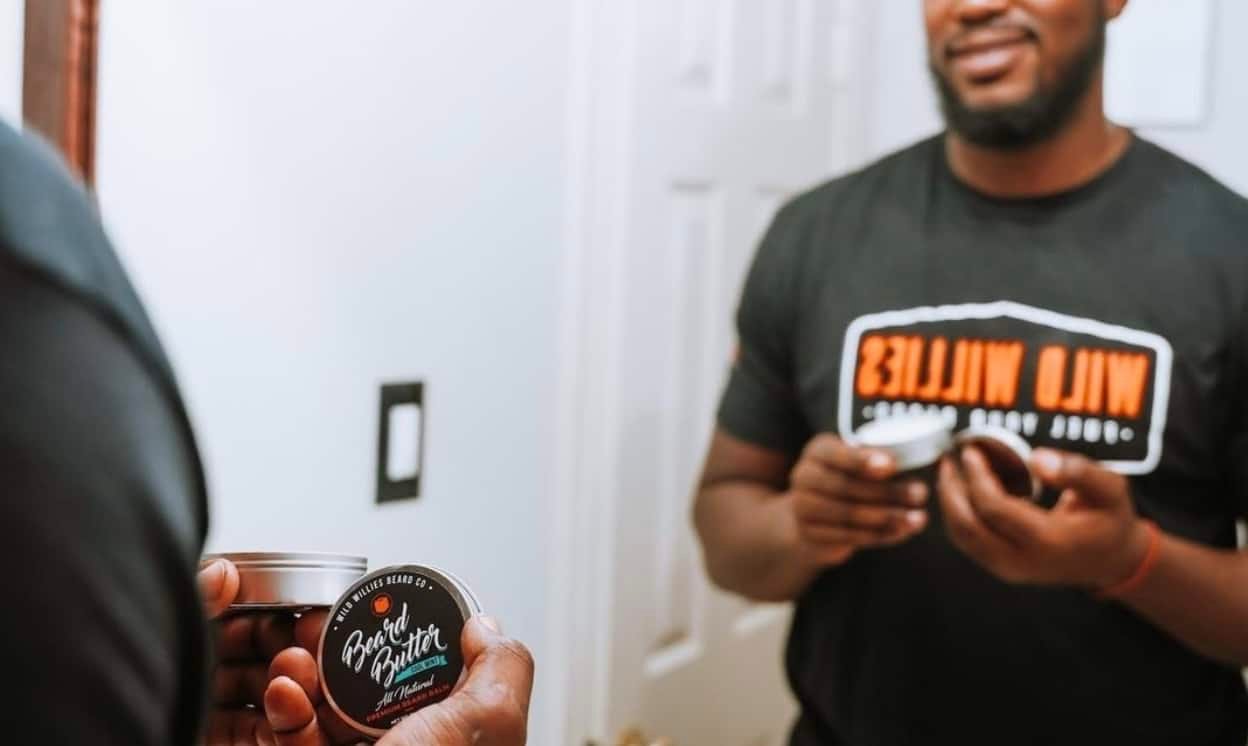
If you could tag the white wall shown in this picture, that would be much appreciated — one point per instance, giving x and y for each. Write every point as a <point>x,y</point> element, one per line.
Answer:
<point>12,20</point>
<point>317,197</point>
<point>904,107</point>
<point>1218,145</point>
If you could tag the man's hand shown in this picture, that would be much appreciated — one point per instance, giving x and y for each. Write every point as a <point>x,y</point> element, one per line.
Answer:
<point>490,708</point>
<point>844,502</point>
<point>266,690</point>
<point>246,644</point>
<point>1092,538</point>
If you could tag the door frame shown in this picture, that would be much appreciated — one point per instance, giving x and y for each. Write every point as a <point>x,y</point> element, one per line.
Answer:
<point>579,618</point>
<point>600,116</point>
<point>59,59</point>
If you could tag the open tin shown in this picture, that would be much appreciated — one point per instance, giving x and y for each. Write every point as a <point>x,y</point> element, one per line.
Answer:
<point>291,580</point>
<point>391,645</point>
<point>918,441</point>
<point>915,441</point>
<point>1008,454</point>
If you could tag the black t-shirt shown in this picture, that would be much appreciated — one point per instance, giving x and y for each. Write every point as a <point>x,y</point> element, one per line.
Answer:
<point>1108,320</point>
<point>102,504</point>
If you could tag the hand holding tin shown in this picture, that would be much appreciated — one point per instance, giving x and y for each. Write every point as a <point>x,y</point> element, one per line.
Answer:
<point>847,498</point>
<point>1091,539</point>
<point>489,708</point>
<point>218,587</point>
<point>246,643</point>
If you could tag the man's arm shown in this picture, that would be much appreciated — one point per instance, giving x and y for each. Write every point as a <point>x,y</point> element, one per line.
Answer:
<point>768,530</point>
<point>1199,595</point>
<point>102,626</point>
<point>746,522</point>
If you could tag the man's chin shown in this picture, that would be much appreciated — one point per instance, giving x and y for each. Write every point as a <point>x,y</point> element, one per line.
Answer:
<point>988,100</point>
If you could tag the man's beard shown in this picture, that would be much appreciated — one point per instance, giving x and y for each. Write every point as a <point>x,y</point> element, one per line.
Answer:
<point>1031,121</point>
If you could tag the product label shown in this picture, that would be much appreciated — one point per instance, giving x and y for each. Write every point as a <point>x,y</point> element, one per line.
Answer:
<point>392,647</point>
<point>1060,381</point>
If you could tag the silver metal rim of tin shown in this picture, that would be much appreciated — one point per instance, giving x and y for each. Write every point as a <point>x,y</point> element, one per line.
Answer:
<point>459,591</point>
<point>1011,442</point>
<point>291,580</point>
<point>915,441</point>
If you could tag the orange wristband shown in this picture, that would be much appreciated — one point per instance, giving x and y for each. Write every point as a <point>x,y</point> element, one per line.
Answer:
<point>1151,555</point>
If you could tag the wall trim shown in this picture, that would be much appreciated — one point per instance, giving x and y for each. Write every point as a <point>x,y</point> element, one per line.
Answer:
<point>579,622</point>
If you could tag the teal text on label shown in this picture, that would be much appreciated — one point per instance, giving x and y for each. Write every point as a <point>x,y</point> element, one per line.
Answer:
<point>436,661</point>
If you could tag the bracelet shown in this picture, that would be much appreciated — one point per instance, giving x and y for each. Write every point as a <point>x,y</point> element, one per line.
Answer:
<point>1151,555</point>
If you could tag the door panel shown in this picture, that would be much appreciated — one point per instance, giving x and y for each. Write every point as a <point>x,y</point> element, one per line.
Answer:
<point>738,105</point>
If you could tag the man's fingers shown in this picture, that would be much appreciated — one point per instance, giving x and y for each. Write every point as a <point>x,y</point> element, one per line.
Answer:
<point>239,684</point>
<point>490,709</point>
<point>235,727</point>
<point>815,477</point>
<point>1094,483</point>
<point>833,452</point>
<point>817,510</point>
<point>309,628</point>
<point>255,637</point>
<point>218,586</point>
<point>499,684</point>
<point>291,715</point>
<point>333,727</point>
<point>964,526</point>
<point>832,537</point>
<point>297,665</point>
<point>1019,521</point>
<point>495,661</point>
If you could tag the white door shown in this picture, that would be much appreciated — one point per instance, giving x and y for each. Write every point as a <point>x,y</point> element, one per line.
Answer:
<point>728,107</point>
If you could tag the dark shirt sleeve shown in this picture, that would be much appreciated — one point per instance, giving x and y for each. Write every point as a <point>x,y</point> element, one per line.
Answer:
<point>103,636</point>
<point>760,404</point>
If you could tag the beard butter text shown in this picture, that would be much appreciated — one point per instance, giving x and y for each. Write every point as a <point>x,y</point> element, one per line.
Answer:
<point>391,651</point>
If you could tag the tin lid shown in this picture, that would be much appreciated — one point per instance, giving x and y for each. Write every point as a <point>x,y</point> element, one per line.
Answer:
<point>291,580</point>
<point>391,645</point>
<point>283,560</point>
<point>915,441</point>
<point>1009,455</point>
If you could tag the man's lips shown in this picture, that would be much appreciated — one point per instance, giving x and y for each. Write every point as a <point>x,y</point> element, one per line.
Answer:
<point>985,54</point>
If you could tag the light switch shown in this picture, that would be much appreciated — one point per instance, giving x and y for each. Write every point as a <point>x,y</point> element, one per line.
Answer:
<point>400,441</point>
<point>403,459</point>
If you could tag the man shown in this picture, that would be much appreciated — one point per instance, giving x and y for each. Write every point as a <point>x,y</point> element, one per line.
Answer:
<point>1039,268</point>
<point>103,633</point>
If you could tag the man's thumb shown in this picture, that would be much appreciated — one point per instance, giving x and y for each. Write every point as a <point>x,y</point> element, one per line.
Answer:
<point>1093,483</point>
<point>218,585</point>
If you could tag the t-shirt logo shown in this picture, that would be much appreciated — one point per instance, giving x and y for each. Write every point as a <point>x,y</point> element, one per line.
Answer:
<point>1057,380</point>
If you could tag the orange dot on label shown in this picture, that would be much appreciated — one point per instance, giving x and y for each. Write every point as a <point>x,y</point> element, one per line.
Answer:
<point>381,605</point>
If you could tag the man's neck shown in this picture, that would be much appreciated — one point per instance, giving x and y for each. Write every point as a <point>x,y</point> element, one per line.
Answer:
<point>1086,147</point>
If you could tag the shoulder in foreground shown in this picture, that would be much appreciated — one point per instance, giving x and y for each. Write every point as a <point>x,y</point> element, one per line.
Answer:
<point>39,198</point>
<point>28,160</point>
<point>891,174</point>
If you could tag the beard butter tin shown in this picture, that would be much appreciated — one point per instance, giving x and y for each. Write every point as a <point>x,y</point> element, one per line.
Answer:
<point>1008,455</point>
<point>291,580</point>
<point>918,441</point>
<point>391,645</point>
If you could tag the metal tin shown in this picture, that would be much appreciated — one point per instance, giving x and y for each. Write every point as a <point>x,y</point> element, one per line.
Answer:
<point>291,580</point>
<point>915,441</point>
<point>1009,455</point>
<point>391,645</point>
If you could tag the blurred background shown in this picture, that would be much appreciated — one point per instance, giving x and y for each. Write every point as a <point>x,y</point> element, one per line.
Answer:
<point>540,212</point>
